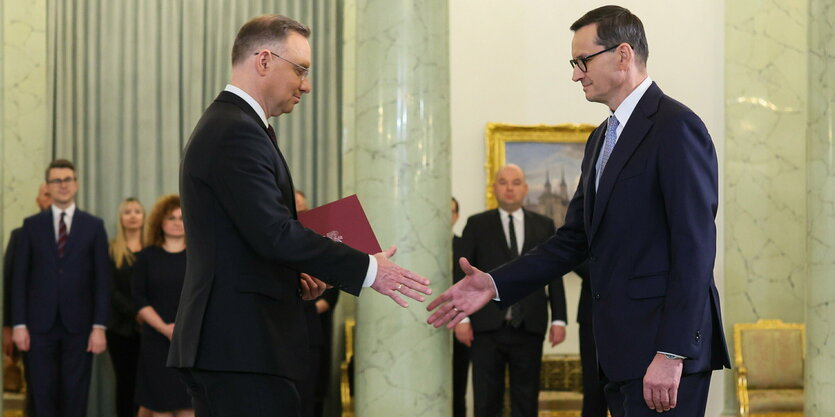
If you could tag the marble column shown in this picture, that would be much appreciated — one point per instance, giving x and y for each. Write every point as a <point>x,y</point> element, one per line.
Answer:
<point>400,157</point>
<point>820,193</point>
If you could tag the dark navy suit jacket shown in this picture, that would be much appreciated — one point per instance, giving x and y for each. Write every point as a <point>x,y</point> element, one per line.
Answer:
<point>75,288</point>
<point>648,233</point>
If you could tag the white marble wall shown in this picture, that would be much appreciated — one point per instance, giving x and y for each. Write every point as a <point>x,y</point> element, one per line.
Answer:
<point>26,144</point>
<point>401,165</point>
<point>766,93</point>
<point>820,171</point>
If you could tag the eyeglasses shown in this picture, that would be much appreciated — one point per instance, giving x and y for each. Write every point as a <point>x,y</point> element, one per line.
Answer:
<point>59,181</point>
<point>303,72</point>
<point>583,63</point>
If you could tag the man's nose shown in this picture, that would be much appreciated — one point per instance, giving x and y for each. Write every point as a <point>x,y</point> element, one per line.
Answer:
<point>577,74</point>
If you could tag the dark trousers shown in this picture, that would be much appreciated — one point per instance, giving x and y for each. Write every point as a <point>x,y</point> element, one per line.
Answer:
<point>236,394</point>
<point>124,354</point>
<point>307,387</point>
<point>59,372</point>
<point>626,399</point>
<point>493,352</point>
<point>460,367</point>
<point>594,401</point>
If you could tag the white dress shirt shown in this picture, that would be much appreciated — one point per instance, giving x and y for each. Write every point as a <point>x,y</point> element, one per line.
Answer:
<point>371,273</point>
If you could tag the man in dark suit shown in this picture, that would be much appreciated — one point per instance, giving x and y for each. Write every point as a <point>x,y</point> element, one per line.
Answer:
<point>509,337</point>
<point>643,215</point>
<point>594,401</point>
<point>240,337</point>
<point>60,288</point>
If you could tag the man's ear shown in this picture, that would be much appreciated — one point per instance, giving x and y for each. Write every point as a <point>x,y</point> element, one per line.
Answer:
<point>626,55</point>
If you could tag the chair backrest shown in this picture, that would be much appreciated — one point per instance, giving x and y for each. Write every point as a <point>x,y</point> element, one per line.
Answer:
<point>772,352</point>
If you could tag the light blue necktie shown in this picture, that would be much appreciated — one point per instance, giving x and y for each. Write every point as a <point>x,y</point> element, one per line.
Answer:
<point>608,145</point>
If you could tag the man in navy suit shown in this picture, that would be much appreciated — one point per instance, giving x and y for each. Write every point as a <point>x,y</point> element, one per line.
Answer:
<point>60,287</point>
<point>643,216</point>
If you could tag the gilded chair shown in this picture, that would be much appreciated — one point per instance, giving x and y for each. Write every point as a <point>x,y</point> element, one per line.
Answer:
<point>345,371</point>
<point>769,356</point>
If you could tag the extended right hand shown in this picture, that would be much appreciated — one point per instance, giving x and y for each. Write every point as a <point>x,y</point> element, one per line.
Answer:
<point>20,335</point>
<point>464,333</point>
<point>392,279</point>
<point>464,298</point>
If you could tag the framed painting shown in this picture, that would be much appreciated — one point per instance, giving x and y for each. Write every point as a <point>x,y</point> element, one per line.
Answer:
<point>550,155</point>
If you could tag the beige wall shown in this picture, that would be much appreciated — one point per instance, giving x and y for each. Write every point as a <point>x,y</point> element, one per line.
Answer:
<point>509,63</point>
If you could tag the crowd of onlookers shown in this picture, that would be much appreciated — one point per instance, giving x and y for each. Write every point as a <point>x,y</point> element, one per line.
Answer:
<point>70,294</point>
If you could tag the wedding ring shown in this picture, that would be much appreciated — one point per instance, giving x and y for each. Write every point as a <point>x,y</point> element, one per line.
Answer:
<point>399,286</point>
<point>456,309</point>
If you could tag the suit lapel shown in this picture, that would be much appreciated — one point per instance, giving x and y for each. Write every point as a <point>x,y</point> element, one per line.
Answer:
<point>589,178</point>
<point>633,134</point>
<point>290,198</point>
<point>529,232</point>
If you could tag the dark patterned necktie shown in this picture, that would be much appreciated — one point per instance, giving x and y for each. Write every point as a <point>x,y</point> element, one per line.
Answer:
<point>62,235</point>
<point>273,138</point>
<point>515,309</point>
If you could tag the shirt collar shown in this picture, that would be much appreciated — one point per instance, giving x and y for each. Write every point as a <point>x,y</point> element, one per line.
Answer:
<point>56,212</point>
<point>518,214</point>
<point>624,111</point>
<point>251,101</point>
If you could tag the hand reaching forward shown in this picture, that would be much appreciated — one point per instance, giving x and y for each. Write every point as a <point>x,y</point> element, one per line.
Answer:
<point>462,299</point>
<point>392,279</point>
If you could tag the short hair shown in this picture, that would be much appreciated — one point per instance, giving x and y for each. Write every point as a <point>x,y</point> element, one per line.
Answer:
<point>616,25</point>
<point>166,204</point>
<point>264,29</point>
<point>58,163</point>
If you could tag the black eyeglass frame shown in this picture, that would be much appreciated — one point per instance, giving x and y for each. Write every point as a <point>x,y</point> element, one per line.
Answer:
<point>301,70</point>
<point>582,63</point>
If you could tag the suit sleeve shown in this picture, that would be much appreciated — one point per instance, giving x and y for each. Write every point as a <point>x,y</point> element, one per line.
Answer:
<point>245,178</point>
<point>8,267</point>
<point>103,276</point>
<point>689,185</point>
<point>556,291</point>
<point>20,275</point>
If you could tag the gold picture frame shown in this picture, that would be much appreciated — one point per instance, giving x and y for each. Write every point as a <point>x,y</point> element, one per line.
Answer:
<point>499,135</point>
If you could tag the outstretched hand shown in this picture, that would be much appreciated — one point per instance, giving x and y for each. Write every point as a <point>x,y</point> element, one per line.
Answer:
<point>466,297</point>
<point>392,279</point>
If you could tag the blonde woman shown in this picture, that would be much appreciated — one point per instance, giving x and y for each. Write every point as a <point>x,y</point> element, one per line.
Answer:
<point>122,330</point>
<point>157,283</point>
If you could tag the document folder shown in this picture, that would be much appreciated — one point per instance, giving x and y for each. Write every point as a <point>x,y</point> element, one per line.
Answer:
<point>343,221</point>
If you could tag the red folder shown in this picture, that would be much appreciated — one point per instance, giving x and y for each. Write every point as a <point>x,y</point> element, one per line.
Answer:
<point>343,221</point>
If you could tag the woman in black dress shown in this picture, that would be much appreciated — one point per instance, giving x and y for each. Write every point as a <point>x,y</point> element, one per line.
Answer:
<point>123,330</point>
<point>157,283</point>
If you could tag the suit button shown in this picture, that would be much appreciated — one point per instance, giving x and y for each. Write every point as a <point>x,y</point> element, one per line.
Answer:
<point>597,297</point>
<point>698,336</point>
<point>592,257</point>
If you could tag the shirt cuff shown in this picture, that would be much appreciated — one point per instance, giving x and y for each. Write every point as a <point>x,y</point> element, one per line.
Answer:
<point>100,326</point>
<point>496,298</point>
<point>20,326</point>
<point>466,320</point>
<point>371,275</point>
<point>672,355</point>
<point>558,323</point>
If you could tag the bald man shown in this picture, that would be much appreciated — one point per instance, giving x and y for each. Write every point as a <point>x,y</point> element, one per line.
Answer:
<point>511,337</point>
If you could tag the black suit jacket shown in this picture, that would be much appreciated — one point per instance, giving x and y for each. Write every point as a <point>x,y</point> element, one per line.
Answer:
<point>74,288</point>
<point>8,268</point>
<point>648,233</point>
<point>585,302</point>
<point>240,308</point>
<point>484,244</point>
